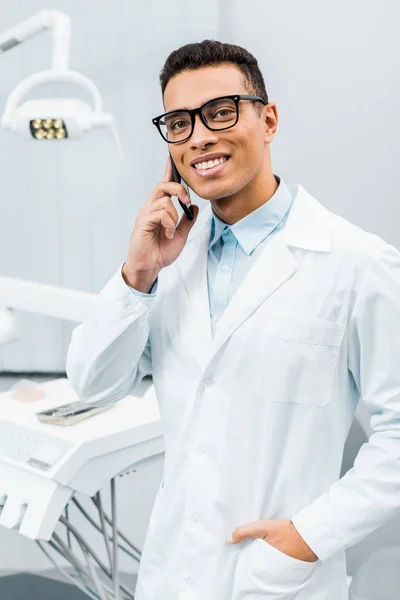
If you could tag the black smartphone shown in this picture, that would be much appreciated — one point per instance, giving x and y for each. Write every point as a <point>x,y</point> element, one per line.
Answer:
<point>178,179</point>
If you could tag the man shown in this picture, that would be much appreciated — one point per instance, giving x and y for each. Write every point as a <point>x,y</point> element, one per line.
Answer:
<point>263,320</point>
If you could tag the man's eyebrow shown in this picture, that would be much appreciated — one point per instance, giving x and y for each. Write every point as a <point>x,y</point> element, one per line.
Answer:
<point>180,108</point>
<point>197,105</point>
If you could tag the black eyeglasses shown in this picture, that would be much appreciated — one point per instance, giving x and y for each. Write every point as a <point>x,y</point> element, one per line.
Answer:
<point>216,114</point>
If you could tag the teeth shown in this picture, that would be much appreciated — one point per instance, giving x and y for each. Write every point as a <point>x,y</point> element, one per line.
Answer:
<point>210,163</point>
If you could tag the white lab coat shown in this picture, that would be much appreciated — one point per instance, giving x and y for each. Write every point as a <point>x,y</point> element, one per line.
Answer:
<point>255,420</point>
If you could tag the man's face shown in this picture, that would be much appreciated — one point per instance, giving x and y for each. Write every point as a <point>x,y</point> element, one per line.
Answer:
<point>247,143</point>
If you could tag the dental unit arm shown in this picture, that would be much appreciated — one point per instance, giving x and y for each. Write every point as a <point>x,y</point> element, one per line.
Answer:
<point>57,21</point>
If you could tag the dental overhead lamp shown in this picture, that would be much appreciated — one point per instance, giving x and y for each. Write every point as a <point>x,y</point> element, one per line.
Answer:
<point>52,118</point>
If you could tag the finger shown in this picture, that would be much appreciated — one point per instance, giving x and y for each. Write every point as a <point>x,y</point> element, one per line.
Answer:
<point>165,215</point>
<point>170,188</point>
<point>161,216</point>
<point>168,205</point>
<point>168,223</point>
<point>253,529</point>
<point>168,170</point>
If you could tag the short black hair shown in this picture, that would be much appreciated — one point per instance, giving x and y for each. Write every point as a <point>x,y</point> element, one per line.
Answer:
<point>209,53</point>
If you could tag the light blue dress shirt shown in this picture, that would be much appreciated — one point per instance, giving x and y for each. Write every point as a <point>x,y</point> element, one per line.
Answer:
<point>233,248</point>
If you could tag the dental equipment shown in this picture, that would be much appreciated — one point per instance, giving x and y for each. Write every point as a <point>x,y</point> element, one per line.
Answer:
<point>43,466</point>
<point>54,118</point>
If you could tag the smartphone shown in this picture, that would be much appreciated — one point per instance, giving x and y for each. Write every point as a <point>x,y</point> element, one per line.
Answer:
<point>71,413</point>
<point>178,179</point>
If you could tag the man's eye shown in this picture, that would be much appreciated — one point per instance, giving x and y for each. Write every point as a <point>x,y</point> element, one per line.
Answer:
<point>176,124</point>
<point>227,111</point>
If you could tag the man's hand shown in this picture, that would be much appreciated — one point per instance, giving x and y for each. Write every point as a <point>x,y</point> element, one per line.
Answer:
<point>279,533</point>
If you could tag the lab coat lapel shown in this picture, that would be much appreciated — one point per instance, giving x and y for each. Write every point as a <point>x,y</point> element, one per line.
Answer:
<point>306,228</point>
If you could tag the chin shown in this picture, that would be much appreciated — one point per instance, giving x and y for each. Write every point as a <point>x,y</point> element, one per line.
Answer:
<point>215,190</point>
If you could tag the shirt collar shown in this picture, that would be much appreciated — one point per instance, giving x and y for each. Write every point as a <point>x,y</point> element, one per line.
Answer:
<point>254,227</point>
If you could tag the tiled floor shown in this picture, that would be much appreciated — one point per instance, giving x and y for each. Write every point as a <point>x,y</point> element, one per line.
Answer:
<point>30,586</point>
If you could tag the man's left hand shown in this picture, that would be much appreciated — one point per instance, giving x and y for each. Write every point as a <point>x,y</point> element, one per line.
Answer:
<point>279,533</point>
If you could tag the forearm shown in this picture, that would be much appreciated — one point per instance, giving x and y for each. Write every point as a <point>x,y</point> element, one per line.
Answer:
<point>109,352</point>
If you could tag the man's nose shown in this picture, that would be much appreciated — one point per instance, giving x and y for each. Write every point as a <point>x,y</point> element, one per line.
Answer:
<point>201,134</point>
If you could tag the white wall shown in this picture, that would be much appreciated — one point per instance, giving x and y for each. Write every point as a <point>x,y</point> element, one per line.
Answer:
<point>68,208</point>
<point>333,69</point>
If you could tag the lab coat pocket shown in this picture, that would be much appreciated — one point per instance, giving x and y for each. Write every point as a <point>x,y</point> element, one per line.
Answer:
<point>265,573</point>
<point>297,359</point>
<point>265,558</point>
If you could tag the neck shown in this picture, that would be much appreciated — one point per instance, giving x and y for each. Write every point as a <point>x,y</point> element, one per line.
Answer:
<point>257,192</point>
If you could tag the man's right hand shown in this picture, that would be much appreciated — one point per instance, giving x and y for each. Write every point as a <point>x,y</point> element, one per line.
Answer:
<point>151,247</point>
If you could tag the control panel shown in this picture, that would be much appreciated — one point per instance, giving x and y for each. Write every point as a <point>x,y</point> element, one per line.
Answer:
<point>23,445</point>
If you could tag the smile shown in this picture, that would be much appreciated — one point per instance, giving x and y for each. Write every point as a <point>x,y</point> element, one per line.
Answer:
<point>216,166</point>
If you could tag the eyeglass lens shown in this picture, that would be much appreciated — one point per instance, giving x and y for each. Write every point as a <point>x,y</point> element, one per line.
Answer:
<point>218,114</point>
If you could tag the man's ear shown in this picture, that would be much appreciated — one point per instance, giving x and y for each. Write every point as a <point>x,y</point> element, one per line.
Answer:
<point>269,116</point>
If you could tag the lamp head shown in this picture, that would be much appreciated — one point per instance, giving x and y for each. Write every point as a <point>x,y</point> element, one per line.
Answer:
<point>56,118</point>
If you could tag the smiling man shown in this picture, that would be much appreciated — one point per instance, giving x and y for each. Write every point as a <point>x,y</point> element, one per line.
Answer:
<point>245,181</point>
<point>261,329</point>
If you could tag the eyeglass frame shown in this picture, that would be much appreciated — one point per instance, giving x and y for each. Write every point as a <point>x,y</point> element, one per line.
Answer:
<point>194,111</point>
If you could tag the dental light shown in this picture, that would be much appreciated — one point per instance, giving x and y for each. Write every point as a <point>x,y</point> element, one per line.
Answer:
<point>52,118</point>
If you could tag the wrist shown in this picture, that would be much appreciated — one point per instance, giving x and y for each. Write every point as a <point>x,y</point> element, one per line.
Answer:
<point>140,281</point>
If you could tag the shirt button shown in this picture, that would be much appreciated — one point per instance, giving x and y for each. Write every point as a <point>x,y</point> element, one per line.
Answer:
<point>216,323</point>
<point>188,580</point>
<point>197,448</point>
<point>208,383</point>
<point>225,268</point>
<point>192,517</point>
